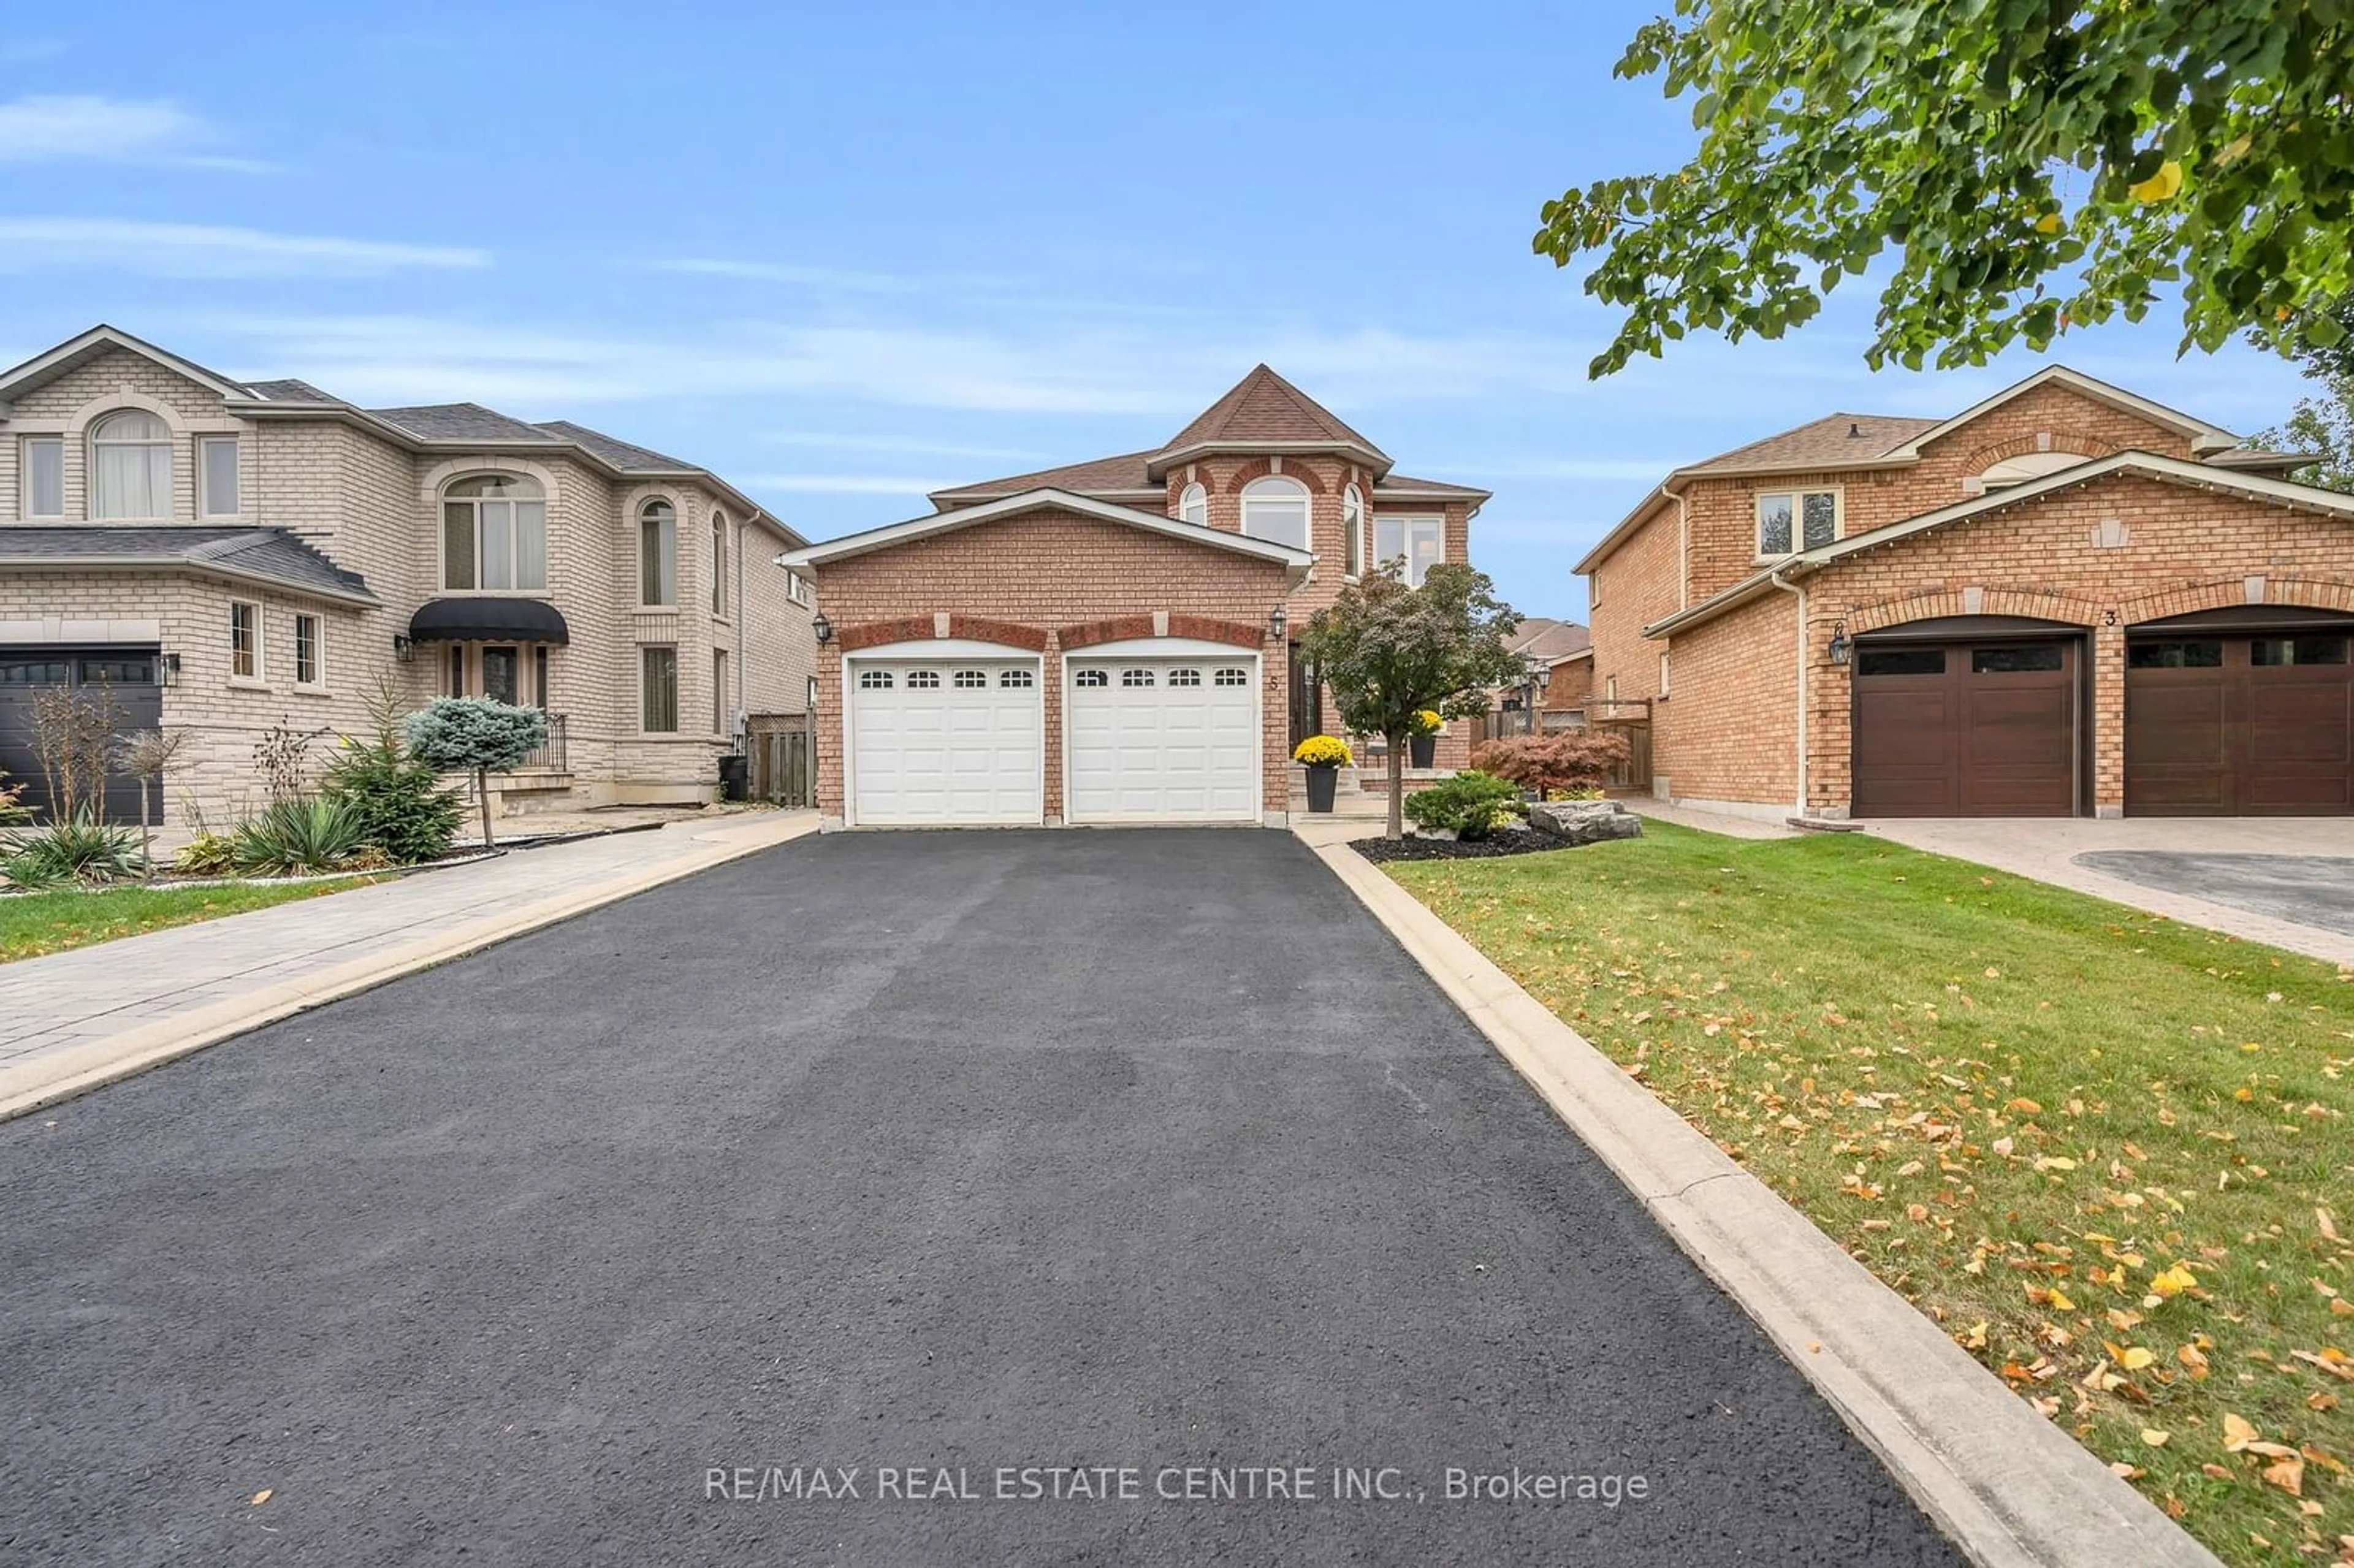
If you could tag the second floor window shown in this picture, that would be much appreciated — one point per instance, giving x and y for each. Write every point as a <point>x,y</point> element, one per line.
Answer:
<point>216,476</point>
<point>131,466</point>
<point>44,460</point>
<point>1417,543</point>
<point>1193,506</point>
<point>657,553</point>
<point>718,565</point>
<point>1275,509</point>
<point>1352,518</point>
<point>494,534</point>
<point>1790,520</point>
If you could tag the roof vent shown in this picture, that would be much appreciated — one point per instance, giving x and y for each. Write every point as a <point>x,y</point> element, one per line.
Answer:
<point>1854,430</point>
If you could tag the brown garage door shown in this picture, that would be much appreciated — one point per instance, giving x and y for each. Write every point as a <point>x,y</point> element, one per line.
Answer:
<point>1967,729</point>
<point>2259,724</point>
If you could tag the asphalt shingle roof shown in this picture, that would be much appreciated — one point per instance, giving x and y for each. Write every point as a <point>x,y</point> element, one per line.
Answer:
<point>612,449</point>
<point>289,391</point>
<point>1546,637</point>
<point>272,552</point>
<point>1264,407</point>
<point>462,422</point>
<point>1126,471</point>
<point>1831,442</point>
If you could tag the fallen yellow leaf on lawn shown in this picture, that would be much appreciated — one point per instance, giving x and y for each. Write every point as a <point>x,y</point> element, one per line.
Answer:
<point>2060,1303</point>
<point>2172,1281</point>
<point>2154,1437</point>
<point>2055,1162</point>
<point>2137,1358</point>
<point>2237,1433</point>
<point>2288,1474</point>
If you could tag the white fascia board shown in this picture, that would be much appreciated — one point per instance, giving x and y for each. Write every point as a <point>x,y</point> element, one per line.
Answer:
<point>884,538</point>
<point>2203,435</point>
<point>41,365</point>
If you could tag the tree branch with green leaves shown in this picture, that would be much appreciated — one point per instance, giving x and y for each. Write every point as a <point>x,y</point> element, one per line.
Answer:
<point>2030,165</point>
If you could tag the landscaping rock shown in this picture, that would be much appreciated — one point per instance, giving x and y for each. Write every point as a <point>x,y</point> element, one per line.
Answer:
<point>1585,821</point>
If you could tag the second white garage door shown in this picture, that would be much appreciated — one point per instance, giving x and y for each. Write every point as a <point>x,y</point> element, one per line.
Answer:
<point>1168,740</point>
<point>944,741</point>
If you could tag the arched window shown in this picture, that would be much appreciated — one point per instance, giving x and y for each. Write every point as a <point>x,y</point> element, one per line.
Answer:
<point>1277,509</point>
<point>494,534</point>
<point>657,553</point>
<point>1193,506</point>
<point>719,563</point>
<point>1352,518</point>
<point>131,466</point>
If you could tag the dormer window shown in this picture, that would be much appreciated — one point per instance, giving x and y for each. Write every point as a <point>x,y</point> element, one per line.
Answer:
<point>1193,506</point>
<point>1275,509</point>
<point>1811,517</point>
<point>131,466</point>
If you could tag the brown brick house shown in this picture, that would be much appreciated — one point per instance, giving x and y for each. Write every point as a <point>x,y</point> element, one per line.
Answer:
<point>1111,640</point>
<point>2065,601</point>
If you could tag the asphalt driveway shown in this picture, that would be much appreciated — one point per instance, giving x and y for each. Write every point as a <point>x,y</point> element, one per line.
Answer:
<point>1060,1163</point>
<point>2303,889</point>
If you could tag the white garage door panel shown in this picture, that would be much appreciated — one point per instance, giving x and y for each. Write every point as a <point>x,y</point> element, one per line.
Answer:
<point>1145,748</point>
<point>925,749</point>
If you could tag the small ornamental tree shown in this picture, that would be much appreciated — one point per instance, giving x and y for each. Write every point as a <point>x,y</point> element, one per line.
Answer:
<point>477,735</point>
<point>1388,651</point>
<point>402,808</point>
<point>1564,759</point>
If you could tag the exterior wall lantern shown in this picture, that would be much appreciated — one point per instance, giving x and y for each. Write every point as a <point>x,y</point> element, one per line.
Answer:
<point>823,627</point>
<point>1843,648</point>
<point>404,647</point>
<point>168,673</point>
<point>1278,620</point>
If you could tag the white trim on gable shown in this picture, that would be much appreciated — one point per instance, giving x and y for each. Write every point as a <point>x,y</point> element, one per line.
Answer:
<point>884,538</point>
<point>2145,465</point>
<point>2204,436</point>
<point>43,367</point>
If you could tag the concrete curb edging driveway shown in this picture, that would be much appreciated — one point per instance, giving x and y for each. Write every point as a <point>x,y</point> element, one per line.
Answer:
<point>56,1075</point>
<point>2009,1488</point>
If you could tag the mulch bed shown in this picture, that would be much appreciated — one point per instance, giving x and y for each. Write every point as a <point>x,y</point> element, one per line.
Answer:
<point>1502,841</point>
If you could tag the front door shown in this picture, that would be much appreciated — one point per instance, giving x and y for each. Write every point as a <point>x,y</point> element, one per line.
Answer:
<point>502,672</point>
<point>1307,698</point>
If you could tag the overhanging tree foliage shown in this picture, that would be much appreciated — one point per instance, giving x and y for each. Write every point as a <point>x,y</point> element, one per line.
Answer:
<point>477,735</point>
<point>2033,165</point>
<point>2323,424</point>
<point>1388,652</point>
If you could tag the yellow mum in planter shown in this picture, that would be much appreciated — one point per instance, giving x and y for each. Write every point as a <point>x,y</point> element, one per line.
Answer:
<point>1427,722</point>
<point>1323,751</point>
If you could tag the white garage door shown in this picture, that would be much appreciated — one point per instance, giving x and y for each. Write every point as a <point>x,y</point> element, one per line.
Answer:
<point>1170,740</point>
<point>944,741</point>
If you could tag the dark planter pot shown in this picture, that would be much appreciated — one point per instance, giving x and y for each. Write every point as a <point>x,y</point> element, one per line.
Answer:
<point>1422,750</point>
<point>1321,785</point>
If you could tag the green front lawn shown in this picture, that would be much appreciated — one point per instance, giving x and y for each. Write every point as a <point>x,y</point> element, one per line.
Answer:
<point>33,924</point>
<point>2109,1154</point>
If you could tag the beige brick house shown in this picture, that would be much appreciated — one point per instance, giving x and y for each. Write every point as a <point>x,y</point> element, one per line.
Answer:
<point>2065,600</point>
<point>1112,640</point>
<point>231,556</point>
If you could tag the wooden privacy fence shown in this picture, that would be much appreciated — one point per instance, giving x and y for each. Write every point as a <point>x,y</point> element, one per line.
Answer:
<point>1629,718</point>
<point>783,755</point>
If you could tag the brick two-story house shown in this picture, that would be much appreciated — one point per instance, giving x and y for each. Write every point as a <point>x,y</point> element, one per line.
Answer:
<point>227,555</point>
<point>2065,600</point>
<point>1112,640</point>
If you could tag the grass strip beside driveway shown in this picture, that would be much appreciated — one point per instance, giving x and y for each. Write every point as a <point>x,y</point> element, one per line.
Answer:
<point>33,925</point>
<point>2110,1154</point>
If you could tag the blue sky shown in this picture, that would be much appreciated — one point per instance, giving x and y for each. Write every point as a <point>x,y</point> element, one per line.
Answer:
<point>841,254</point>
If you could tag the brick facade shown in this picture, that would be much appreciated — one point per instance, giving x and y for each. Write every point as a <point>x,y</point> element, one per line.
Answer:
<point>369,501</point>
<point>2103,555</point>
<point>1045,580</point>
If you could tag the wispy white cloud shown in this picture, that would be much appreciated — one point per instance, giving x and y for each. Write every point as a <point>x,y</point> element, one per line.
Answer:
<point>846,483</point>
<point>1060,367</point>
<point>841,277</point>
<point>903,446</point>
<point>208,250</point>
<point>86,128</point>
<point>1562,468</point>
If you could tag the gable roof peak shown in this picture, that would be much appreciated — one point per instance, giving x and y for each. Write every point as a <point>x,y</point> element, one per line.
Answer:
<point>1264,411</point>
